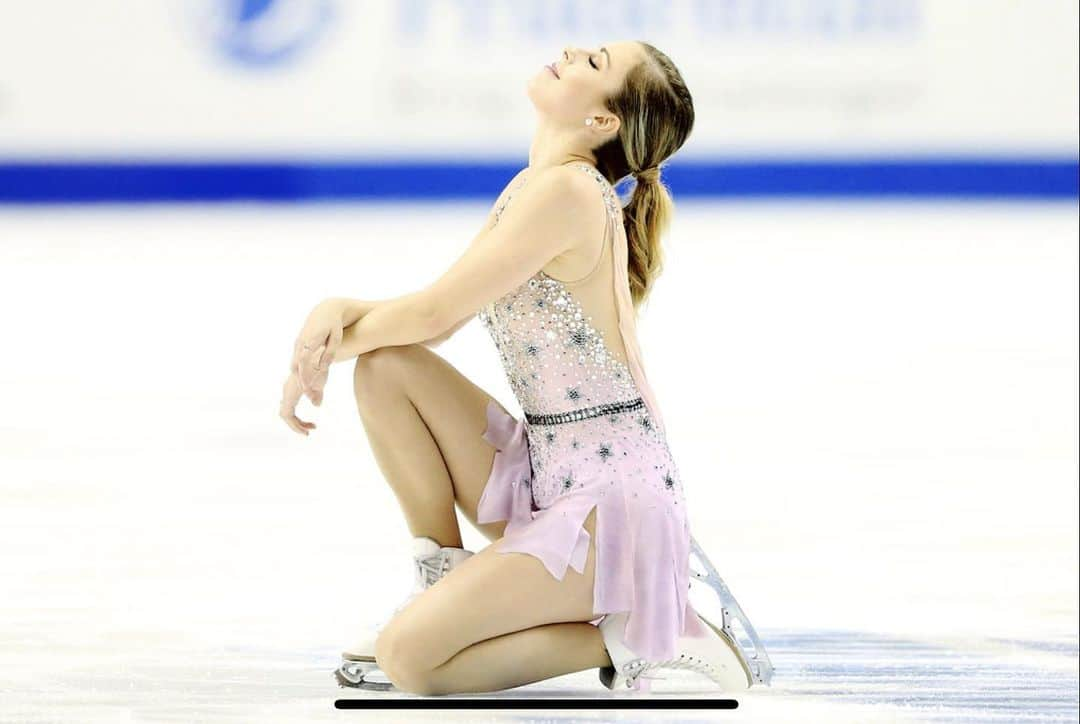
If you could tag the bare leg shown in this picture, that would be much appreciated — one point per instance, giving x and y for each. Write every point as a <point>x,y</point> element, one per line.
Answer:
<point>521,657</point>
<point>425,421</point>
<point>498,620</point>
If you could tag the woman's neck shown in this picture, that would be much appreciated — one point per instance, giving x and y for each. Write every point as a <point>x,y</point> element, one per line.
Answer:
<point>554,146</point>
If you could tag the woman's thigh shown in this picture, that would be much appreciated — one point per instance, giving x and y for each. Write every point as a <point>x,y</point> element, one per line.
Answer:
<point>453,408</point>
<point>489,594</point>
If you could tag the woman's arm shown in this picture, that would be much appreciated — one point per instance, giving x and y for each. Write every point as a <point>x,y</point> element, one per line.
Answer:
<point>362,308</point>
<point>407,319</point>
<point>544,222</point>
<point>353,310</point>
<point>436,341</point>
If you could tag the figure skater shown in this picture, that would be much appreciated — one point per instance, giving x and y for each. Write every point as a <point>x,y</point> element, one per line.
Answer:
<point>585,481</point>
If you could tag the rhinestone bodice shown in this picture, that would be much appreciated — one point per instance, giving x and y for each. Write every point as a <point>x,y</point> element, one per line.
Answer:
<point>556,360</point>
<point>586,421</point>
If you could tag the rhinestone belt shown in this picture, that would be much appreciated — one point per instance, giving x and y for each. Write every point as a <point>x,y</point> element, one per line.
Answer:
<point>584,413</point>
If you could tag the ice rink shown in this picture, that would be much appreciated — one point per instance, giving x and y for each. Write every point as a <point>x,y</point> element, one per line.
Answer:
<point>873,405</point>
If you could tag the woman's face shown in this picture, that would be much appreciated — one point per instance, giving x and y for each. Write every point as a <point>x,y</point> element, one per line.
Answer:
<point>582,79</point>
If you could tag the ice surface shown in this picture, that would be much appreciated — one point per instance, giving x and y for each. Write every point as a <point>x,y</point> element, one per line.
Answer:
<point>873,405</point>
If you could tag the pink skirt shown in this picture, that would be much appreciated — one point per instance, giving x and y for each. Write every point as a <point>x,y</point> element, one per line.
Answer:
<point>642,546</point>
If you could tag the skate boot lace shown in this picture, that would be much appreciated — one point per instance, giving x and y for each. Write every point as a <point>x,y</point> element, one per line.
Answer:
<point>431,568</point>
<point>428,570</point>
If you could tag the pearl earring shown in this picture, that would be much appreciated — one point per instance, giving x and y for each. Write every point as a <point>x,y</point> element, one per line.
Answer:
<point>588,121</point>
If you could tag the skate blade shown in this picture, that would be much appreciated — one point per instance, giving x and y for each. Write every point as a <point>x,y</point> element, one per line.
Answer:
<point>762,671</point>
<point>354,677</point>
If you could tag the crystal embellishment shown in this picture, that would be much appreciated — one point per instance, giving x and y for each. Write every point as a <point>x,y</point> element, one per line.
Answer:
<point>564,374</point>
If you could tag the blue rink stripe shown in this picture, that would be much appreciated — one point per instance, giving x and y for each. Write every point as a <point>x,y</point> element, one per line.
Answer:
<point>49,182</point>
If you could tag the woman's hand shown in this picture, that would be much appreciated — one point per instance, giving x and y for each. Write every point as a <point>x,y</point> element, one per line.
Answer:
<point>313,352</point>
<point>289,398</point>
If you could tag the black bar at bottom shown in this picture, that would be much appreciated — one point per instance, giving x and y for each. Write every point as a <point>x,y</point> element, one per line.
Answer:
<point>537,703</point>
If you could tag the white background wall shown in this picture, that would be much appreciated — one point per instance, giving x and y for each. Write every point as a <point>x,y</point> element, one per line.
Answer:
<point>447,78</point>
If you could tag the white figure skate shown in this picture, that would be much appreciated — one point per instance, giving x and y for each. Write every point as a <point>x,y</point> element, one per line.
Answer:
<point>358,666</point>
<point>710,655</point>
<point>719,655</point>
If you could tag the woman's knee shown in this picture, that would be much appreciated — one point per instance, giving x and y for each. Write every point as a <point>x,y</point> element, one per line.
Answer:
<point>402,659</point>
<point>378,369</point>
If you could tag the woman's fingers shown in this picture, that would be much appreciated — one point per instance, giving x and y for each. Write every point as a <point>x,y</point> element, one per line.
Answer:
<point>309,370</point>
<point>300,348</point>
<point>306,354</point>
<point>289,399</point>
<point>337,333</point>
<point>303,370</point>
<point>327,360</point>
<point>318,382</point>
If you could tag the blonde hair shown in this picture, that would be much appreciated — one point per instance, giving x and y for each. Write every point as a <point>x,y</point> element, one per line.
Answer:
<point>657,115</point>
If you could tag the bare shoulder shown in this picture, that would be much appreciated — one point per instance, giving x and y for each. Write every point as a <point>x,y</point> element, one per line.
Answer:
<point>573,178</point>
<point>585,216</point>
<point>504,195</point>
<point>562,192</point>
<point>558,207</point>
<point>564,183</point>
